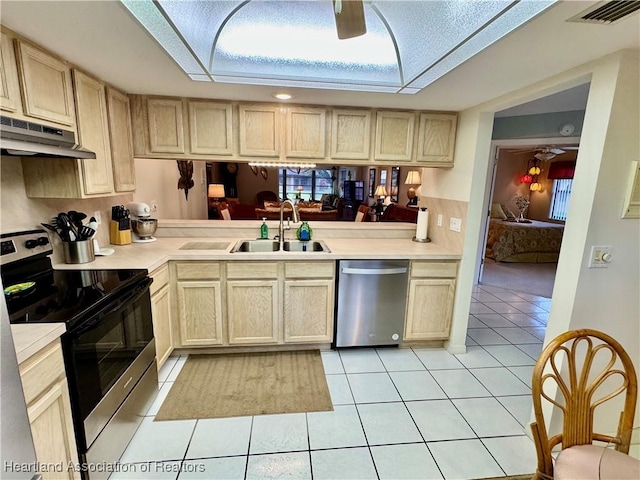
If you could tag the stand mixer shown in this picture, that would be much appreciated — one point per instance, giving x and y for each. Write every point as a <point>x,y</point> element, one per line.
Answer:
<point>142,225</point>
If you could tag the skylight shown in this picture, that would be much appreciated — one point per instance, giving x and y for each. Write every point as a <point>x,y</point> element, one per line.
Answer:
<point>408,44</point>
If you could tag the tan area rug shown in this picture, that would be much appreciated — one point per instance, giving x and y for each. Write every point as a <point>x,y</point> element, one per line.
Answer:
<point>230,385</point>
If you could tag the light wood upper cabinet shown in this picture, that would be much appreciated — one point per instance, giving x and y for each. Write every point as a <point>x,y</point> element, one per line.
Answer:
<point>394,136</point>
<point>93,133</point>
<point>259,130</point>
<point>436,139</point>
<point>210,128</point>
<point>49,410</point>
<point>46,85</point>
<point>119,117</point>
<point>306,132</point>
<point>9,84</point>
<point>166,127</point>
<point>350,134</point>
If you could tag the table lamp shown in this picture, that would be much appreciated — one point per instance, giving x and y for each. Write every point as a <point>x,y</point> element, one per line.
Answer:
<point>413,178</point>
<point>215,191</point>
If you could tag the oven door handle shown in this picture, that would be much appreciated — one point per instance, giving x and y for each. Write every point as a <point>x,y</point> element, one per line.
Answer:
<point>130,296</point>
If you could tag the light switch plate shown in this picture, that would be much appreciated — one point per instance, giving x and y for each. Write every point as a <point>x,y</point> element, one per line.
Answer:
<point>439,219</point>
<point>600,256</point>
<point>455,224</point>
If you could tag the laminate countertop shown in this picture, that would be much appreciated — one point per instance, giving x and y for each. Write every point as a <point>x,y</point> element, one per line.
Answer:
<point>154,254</point>
<point>29,339</point>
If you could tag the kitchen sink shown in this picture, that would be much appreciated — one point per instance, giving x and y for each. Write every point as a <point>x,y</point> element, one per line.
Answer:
<point>262,246</point>
<point>299,246</point>
<point>255,246</point>
<point>205,246</point>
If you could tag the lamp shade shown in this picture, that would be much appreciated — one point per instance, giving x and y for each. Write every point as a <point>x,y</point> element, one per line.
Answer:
<point>381,191</point>
<point>215,190</point>
<point>413,178</point>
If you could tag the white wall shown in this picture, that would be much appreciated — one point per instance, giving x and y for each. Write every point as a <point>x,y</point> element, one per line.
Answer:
<point>157,180</point>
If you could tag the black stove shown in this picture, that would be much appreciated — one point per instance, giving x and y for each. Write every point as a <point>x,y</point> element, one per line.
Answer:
<point>36,293</point>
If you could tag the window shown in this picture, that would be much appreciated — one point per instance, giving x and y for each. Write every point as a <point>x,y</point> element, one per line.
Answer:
<point>560,198</point>
<point>314,183</point>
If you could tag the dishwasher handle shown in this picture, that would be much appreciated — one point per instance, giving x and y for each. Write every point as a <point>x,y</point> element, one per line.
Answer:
<point>374,271</point>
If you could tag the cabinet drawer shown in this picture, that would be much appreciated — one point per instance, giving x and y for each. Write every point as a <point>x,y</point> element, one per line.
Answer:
<point>434,269</point>
<point>309,270</point>
<point>160,279</point>
<point>252,270</point>
<point>197,270</point>
<point>42,370</point>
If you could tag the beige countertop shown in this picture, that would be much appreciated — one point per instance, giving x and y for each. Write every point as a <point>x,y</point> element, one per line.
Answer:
<point>29,339</point>
<point>153,255</point>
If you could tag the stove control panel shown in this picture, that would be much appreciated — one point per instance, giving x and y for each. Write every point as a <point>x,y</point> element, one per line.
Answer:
<point>21,245</point>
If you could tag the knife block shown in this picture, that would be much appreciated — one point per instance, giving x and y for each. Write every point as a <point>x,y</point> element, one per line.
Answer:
<point>118,237</point>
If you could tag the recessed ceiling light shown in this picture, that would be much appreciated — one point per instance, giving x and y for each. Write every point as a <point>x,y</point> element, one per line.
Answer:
<point>283,96</point>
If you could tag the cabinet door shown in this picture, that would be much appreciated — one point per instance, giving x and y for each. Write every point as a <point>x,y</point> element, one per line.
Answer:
<point>52,430</point>
<point>210,128</point>
<point>306,132</point>
<point>252,311</point>
<point>161,312</point>
<point>429,309</point>
<point>119,115</point>
<point>166,131</point>
<point>394,135</point>
<point>93,133</point>
<point>436,139</point>
<point>200,313</point>
<point>9,87</point>
<point>350,134</point>
<point>46,86</point>
<point>308,310</point>
<point>259,130</point>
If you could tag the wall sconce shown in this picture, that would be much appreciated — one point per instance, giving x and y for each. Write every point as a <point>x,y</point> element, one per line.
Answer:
<point>535,187</point>
<point>526,178</point>
<point>299,188</point>
<point>413,178</point>
<point>215,190</point>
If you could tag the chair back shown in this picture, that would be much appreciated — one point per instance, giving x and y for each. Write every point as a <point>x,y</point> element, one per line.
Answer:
<point>579,363</point>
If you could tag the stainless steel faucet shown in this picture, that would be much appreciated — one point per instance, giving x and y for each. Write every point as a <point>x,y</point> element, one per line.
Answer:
<point>282,228</point>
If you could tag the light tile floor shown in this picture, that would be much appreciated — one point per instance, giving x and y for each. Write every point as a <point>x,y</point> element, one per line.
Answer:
<point>398,413</point>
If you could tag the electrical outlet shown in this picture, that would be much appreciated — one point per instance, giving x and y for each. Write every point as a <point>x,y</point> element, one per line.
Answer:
<point>455,224</point>
<point>97,216</point>
<point>439,219</point>
<point>600,256</point>
<point>154,206</point>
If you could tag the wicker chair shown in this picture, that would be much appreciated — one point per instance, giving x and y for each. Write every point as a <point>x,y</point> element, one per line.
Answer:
<point>568,363</point>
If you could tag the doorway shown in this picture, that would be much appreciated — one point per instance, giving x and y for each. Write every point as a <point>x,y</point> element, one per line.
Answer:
<point>522,255</point>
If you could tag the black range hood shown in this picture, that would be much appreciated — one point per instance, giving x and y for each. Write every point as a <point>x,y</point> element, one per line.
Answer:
<point>28,139</point>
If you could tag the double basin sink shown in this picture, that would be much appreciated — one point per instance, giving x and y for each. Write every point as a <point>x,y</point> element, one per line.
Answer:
<point>261,246</point>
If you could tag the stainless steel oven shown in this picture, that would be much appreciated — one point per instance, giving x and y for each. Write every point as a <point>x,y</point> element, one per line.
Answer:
<point>108,348</point>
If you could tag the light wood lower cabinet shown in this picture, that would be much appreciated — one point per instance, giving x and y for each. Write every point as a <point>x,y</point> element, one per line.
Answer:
<point>161,312</point>
<point>253,312</point>
<point>199,310</point>
<point>430,300</point>
<point>308,310</point>
<point>49,411</point>
<point>308,302</point>
<point>253,303</point>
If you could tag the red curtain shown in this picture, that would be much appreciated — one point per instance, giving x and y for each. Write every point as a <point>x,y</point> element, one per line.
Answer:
<point>564,169</point>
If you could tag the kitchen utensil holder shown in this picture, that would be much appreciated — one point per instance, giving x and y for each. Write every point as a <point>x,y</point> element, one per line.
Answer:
<point>118,237</point>
<point>78,252</point>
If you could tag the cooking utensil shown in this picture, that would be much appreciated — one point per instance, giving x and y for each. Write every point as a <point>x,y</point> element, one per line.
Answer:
<point>51,227</point>
<point>85,232</point>
<point>68,231</point>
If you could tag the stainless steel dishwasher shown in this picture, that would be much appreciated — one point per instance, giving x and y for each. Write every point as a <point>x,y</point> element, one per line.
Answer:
<point>372,297</point>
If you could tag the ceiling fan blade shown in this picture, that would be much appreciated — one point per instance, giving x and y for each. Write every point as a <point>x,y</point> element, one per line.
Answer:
<point>350,21</point>
<point>557,151</point>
